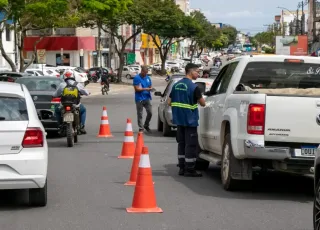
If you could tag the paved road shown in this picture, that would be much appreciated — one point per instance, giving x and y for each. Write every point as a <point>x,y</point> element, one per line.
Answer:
<point>86,190</point>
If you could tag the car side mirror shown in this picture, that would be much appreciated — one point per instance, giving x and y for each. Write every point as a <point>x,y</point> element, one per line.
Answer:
<point>158,94</point>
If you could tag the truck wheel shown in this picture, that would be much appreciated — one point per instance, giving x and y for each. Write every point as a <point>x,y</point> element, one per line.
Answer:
<point>160,124</point>
<point>166,129</point>
<point>316,207</point>
<point>228,183</point>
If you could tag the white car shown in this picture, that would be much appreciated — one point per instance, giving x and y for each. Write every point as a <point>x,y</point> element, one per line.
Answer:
<point>23,147</point>
<point>80,75</point>
<point>138,67</point>
<point>34,72</point>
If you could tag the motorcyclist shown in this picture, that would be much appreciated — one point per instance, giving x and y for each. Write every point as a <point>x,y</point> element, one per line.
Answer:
<point>69,79</point>
<point>103,77</point>
<point>205,74</point>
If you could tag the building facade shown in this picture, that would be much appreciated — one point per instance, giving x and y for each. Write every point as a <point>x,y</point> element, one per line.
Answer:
<point>62,46</point>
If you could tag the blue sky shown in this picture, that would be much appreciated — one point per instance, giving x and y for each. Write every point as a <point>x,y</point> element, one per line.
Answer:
<point>245,15</point>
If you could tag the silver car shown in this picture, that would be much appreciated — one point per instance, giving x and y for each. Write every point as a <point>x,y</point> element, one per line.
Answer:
<point>164,110</point>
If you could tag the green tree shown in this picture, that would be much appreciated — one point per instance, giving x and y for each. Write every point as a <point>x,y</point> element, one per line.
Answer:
<point>231,33</point>
<point>206,35</point>
<point>265,38</point>
<point>165,19</point>
<point>31,15</point>
<point>134,15</point>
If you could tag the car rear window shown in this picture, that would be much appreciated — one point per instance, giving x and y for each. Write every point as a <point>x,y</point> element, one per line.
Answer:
<point>39,83</point>
<point>292,78</point>
<point>13,109</point>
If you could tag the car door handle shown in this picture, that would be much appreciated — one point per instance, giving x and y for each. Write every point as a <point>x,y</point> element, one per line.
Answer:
<point>220,106</point>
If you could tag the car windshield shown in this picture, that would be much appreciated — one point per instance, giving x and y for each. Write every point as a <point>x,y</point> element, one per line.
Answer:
<point>13,109</point>
<point>39,83</point>
<point>283,77</point>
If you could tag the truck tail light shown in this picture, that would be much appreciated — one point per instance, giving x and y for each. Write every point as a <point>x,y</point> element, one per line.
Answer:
<point>256,119</point>
<point>33,138</point>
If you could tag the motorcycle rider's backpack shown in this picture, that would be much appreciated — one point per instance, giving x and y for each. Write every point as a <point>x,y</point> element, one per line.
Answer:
<point>70,94</point>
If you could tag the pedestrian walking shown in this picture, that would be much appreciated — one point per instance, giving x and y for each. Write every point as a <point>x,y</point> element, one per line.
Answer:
<point>184,99</point>
<point>143,86</point>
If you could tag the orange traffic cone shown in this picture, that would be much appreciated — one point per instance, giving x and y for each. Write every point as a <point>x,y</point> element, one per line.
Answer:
<point>128,143</point>
<point>136,160</point>
<point>104,125</point>
<point>144,198</point>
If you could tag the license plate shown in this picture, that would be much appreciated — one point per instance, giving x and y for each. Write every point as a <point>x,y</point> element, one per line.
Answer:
<point>306,151</point>
<point>68,117</point>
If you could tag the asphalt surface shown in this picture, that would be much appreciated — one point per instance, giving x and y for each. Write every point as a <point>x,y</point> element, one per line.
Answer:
<point>86,191</point>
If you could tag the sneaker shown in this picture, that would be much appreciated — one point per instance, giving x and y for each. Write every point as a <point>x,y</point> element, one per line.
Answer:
<point>192,173</point>
<point>148,129</point>
<point>82,130</point>
<point>181,171</point>
<point>141,130</point>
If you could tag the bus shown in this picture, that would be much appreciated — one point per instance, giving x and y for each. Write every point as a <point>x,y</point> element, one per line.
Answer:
<point>248,47</point>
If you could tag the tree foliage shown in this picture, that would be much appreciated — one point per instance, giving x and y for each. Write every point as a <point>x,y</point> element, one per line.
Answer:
<point>265,38</point>
<point>165,19</point>
<point>231,33</point>
<point>207,34</point>
<point>31,15</point>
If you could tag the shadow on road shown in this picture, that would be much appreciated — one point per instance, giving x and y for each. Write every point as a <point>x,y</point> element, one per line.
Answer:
<point>272,186</point>
<point>14,200</point>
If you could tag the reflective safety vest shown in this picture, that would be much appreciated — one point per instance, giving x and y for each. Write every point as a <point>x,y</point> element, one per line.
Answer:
<point>184,108</point>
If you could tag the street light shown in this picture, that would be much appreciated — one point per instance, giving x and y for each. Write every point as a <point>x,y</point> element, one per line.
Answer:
<point>294,16</point>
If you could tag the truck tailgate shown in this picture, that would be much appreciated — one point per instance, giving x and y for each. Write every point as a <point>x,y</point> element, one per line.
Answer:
<point>292,119</point>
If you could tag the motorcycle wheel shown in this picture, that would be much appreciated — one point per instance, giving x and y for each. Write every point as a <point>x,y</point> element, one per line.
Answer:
<point>70,139</point>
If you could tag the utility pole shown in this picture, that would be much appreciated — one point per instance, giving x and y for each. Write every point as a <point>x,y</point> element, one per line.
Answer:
<point>283,29</point>
<point>302,18</point>
<point>297,22</point>
<point>99,46</point>
<point>315,20</point>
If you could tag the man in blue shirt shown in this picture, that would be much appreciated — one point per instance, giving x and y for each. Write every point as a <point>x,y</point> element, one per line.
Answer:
<point>143,86</point>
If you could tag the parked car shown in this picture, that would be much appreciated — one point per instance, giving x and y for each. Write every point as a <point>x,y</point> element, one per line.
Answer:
<point>35,72</point>
<point>164,110</point>
<point>11,76</point>
<point>41,90</point>
<point>80,74</point>
<point>23,147</point>
<point>253,115</point>
<point>129,72</point>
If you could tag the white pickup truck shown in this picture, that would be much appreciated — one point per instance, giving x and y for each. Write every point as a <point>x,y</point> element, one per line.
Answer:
<point>261,112</point>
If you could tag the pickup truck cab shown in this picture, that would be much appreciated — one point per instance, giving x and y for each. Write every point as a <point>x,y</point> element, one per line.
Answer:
<point>261,112</point>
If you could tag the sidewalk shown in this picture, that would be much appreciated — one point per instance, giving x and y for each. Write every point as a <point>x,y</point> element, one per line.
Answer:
<point>95,88</point>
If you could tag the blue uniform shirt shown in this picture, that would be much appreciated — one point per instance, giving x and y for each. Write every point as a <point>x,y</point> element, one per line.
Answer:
<point>184,103</point>
<point>143,82</point>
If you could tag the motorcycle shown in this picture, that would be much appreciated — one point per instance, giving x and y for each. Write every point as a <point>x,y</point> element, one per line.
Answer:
<point>105,87</point>
<point>71,122</point>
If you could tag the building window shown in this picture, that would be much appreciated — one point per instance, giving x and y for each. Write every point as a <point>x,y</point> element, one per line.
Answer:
<point>8,33</point>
